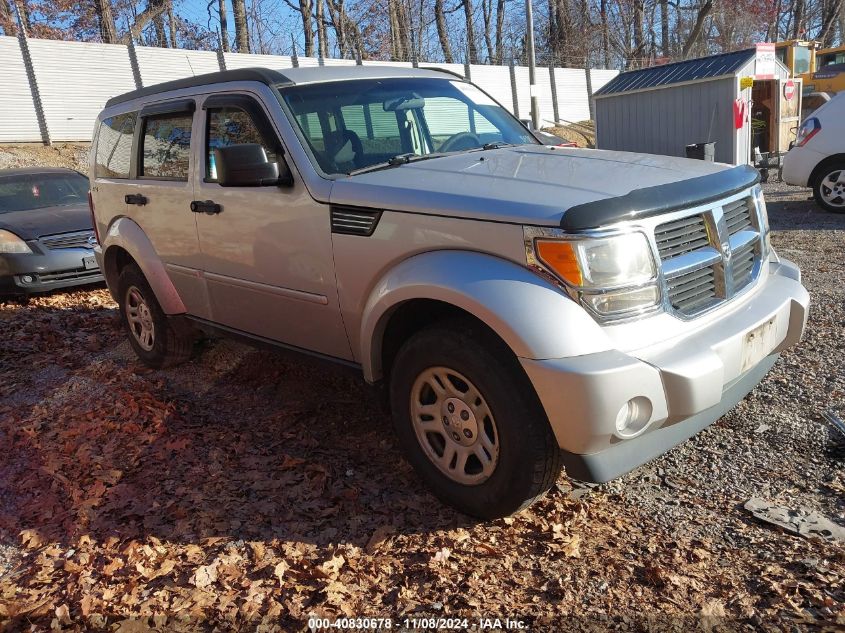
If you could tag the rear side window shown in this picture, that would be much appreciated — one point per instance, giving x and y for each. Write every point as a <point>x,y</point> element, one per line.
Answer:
<point>166,146</point>
<point>114,146</point>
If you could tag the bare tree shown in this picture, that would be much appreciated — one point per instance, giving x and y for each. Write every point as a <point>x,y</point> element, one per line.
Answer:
<point>155,8</point>
<point>442,33</point>
<point>105,18</point>
<point>241,26</point>
<point>322,35</point>
<point>471,48</point>
<point>695,32</point>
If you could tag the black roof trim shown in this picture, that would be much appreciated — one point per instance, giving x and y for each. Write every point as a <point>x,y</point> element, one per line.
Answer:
<point>650,201</point>
<point>264,75</point>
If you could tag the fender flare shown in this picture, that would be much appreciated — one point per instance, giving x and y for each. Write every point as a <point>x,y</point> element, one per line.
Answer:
<point>533,317</point>
<point>126,234</point>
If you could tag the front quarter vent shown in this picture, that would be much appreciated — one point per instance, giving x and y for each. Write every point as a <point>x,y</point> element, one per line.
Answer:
<point>354,220</point>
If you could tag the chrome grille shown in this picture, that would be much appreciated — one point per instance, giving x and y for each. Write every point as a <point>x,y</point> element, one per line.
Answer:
<point>681,236</point>
<point>691,292</point>
<point>742,266</point>
<point>738,215</point>
<point>709,255</point>
<point>79,239</point>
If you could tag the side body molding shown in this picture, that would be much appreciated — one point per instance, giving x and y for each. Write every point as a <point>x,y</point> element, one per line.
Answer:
<point>534,318</point>
<point>126,234</point>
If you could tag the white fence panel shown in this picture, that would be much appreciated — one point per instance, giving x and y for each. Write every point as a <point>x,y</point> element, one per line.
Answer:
<point>158,65</point>
<point>338,62</point>
<point>368,62</point>
<point>572,94</point>
<point>75,80</point>
<point>496,81</point>
<point>544,98</point>
<point>242,60</point>
<point>523,94</point>
<point>454,68</point>
<point>18,121</point>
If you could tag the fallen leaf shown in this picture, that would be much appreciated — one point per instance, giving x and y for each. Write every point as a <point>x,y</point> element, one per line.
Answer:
<point>279,572</point>
<point>381,534</point>
<point>205,576</point>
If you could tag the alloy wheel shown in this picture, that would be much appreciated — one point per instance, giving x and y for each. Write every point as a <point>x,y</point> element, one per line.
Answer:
<point>454,425</point>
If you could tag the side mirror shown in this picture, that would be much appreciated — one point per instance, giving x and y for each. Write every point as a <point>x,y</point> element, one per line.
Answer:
<point>247,165</point>
<point>528,123</point>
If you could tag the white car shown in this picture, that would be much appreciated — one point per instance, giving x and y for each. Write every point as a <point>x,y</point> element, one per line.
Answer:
<point>818,158</point>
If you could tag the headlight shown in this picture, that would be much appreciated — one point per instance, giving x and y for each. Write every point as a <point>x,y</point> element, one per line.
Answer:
<point>11,243</point>
<point>612,276</point>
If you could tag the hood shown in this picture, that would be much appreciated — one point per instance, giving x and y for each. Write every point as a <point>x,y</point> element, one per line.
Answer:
<point>522,185</point>
<point>33,223</point>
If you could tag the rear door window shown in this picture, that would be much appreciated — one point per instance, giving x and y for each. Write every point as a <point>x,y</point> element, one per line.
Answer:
<point>166,146</point>
<point>114,146</point>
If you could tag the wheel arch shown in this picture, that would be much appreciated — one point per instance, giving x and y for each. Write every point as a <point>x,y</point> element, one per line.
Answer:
<point>534,318</point>
<point>124,243</point>
<point>818,170</point>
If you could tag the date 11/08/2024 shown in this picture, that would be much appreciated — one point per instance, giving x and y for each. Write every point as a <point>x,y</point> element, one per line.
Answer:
<point>411,624</point>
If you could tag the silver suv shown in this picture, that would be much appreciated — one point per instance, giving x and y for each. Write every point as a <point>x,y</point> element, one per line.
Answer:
<point>526,307</point>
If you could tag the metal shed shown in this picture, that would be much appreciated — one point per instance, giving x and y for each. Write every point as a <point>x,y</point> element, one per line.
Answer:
<point>662,109</point>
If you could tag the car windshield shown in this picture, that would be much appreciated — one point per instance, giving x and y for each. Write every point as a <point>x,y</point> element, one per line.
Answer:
<point>352,125</point>
<point>19,192</point>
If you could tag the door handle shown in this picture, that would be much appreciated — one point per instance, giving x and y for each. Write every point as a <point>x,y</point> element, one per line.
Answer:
<point>136,198</point>
<point>206,206</point>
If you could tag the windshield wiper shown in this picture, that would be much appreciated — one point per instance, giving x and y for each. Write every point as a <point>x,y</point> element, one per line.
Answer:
<point>399,159</point>
<point>495,145</point>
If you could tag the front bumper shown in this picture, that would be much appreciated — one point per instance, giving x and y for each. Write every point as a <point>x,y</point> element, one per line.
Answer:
<point>48,269</point>
<point>687,382</point>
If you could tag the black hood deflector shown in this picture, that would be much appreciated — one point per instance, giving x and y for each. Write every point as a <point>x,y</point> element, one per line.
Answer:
<point>650,201</point>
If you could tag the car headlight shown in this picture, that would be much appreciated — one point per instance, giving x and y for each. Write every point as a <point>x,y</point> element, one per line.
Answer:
<point>612,275</point>
<point>11,243</point>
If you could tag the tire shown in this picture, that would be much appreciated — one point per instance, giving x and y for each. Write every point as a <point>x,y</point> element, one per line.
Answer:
<point>167,344</point>
<point>829,187</point>
<point>524,454</point>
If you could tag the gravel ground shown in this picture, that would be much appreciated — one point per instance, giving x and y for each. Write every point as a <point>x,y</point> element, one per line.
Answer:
<point>670,539</point>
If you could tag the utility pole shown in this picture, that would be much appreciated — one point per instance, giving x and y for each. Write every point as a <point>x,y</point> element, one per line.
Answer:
<point>532,70</point>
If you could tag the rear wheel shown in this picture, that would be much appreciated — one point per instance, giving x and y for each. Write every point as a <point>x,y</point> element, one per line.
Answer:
<point>829,188</point>
<point>157,339</point>
<point>469,421</point>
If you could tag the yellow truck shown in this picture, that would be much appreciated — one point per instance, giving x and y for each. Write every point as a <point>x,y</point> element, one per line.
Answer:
<point>822,70</point>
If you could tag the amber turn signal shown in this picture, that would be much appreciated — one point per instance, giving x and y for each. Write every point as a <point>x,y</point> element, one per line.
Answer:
<point>560,256</point>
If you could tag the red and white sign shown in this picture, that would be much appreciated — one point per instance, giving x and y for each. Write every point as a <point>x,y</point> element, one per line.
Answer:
<point>789,90</point>
<point>766,61</point>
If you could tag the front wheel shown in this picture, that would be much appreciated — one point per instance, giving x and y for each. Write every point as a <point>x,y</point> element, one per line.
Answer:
<point>829,188</point>
<point>469,421</point>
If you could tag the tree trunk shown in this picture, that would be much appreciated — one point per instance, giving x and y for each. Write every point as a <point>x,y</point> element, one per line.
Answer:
<point>336,14</point>
<point>695,33</point>
<point>153,11</point>
<point>108,31</point>
<point>639,38</point>
<point>308,31</point>
<point>322,36</point>
<point>487,15</point>
<point>831,12</point>
<point>158,26</point>
<point>605,34</point>
<point>442,34</point>
<point>473,52</point>
<point>241,27</point>
<point>798,16</point>
<point>500,27</point>
<point>171,23</point>
<point>224,25</point>
<point>665,43</point>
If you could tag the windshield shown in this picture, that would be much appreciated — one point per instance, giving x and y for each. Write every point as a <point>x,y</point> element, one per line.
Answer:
<point>801,61</point>
<point>351,125</point>
<point>20,192</point>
